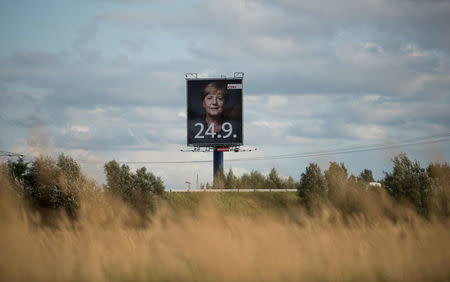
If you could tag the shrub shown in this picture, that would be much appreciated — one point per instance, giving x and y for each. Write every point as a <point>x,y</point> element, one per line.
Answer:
<point>312,185</point>
<point>136,189</point>
<point>366,176</point>
<point>336,176</point>
<point>408,181</point>
<point>47,184</point>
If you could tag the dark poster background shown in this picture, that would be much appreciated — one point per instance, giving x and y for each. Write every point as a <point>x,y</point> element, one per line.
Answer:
<point>232,112</point>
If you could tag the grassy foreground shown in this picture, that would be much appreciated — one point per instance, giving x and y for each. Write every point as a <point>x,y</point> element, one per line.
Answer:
<point>221,237</point>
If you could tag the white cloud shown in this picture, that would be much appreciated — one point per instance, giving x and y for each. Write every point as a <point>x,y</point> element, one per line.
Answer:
<point>277,101</point>
<point>80,128</point>
<point>298,140</point>
<point>317,75</point>
<point>270,124</point>
<point>367,131</point>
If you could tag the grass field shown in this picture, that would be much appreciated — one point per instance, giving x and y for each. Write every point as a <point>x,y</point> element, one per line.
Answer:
<point>250,203</point>
<point>221,237</point>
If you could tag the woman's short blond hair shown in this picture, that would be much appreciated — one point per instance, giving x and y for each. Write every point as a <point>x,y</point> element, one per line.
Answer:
<point>214,87</point>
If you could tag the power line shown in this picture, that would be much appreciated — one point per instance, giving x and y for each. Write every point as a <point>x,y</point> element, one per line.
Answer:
<point>344,151</point>
<point>355,149</point>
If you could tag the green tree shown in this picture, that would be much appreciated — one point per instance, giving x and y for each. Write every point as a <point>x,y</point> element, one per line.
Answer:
<point>289,183</point>
<point>366,175</point>
<point>72,178</point>
<point>245,181</point>
<point>312,184</point>
<point>147,181</point>
<point>408,181</point>
<point>273,180</point>
<point>137,189</point>
<point>119,179</point>
<point>112,171</point>
<point>231,180</point>
<point>69,167</point>
<point>48,184</point>
<point>18,170</point>
<point>337,180</point>
<point>257,180</point>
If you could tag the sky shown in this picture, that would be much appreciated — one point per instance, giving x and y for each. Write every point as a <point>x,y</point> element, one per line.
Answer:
<point>105,79</point>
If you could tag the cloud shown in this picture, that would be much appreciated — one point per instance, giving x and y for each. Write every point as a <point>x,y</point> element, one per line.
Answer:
<point>135,46</point>
<point>79,128</point>
<point>86,34</point>
<point>317,75</point>
<point>112,81</point>
<point>421,21</point>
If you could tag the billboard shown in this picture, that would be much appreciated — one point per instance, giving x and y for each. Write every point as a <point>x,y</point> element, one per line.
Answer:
<point>214,112</point>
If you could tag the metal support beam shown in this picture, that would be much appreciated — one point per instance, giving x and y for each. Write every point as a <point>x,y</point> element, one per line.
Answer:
<point>218,161</point>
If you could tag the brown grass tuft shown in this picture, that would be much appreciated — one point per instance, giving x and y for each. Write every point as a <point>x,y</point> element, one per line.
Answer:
<point>382,241</point>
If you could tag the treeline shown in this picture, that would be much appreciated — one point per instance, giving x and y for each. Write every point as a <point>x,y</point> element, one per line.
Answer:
<point>426,189</point>
<point>56,185</point>
<point>252,180</point>
<point>50,185</point>
<point>257,180</point>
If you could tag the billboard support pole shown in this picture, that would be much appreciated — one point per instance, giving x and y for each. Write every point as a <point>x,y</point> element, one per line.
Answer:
<point>218,161</point>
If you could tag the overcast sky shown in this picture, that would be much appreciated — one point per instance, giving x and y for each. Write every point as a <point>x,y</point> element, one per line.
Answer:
<point>105,79</point>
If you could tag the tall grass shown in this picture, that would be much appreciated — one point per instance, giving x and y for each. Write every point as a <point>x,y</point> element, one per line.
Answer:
<point>206,239</point>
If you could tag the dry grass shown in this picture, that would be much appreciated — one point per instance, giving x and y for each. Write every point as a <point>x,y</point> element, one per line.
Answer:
<point>383,242</point>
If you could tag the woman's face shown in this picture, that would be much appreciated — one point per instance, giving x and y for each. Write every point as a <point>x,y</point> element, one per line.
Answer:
<point>213,103</point>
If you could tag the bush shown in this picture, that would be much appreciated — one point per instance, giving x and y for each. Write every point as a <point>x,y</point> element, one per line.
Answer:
<point>136,189</point>
<point>312,185</point>
<point>231,181</point>
<point>47,184</point>
<point>336,176</point>
<point>409,182</point>
<point>366,176</point>
<point>273,180</point>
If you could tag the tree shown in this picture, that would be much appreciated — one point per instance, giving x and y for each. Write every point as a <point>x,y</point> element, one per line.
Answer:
<point>48,184</point>
<point>273,181</point>
<point>137,189</point>
<point>289,183</point>
<point>112,171</point>
<point>147,182</point>
<point>312,184</point>
<point>408,181</point>
<point>337,179</point>
<point>366,175</point>
<point>230,180</point>
<point>245,181</point>
<point>257,180</point>
<point>72,179</point>
<point>18,169</point>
